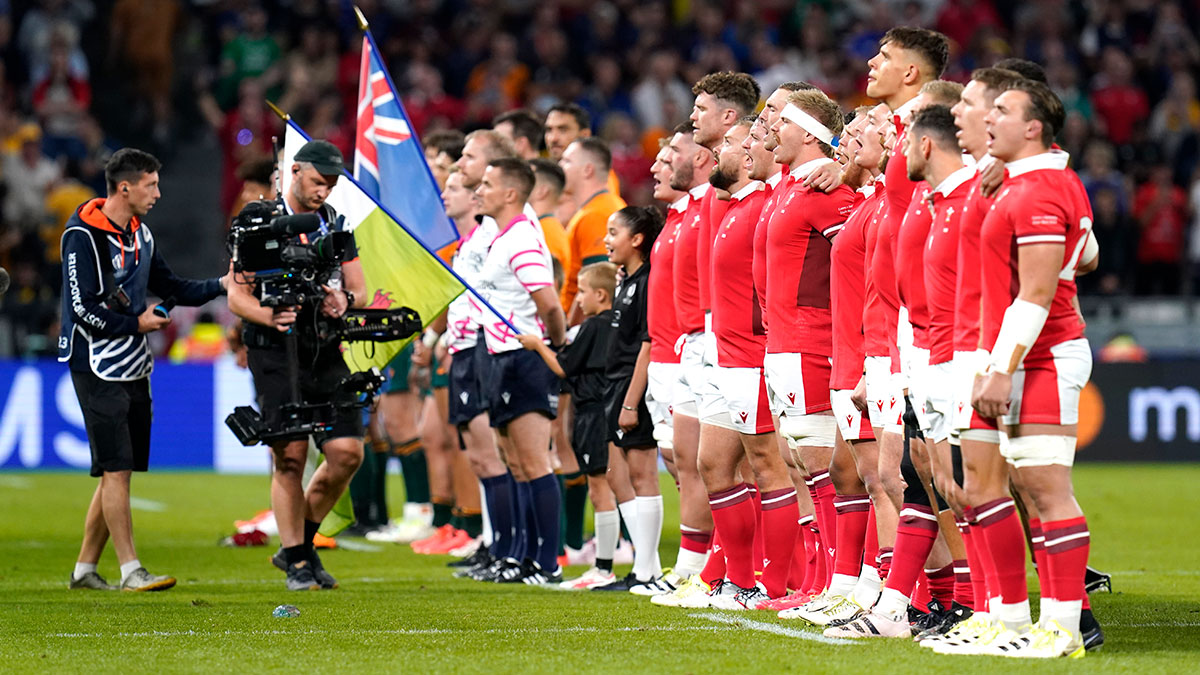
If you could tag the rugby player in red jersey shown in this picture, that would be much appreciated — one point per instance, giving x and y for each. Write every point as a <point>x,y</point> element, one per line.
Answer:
<point>799,335</point>
<point>907,59</point>
<point>1039,360</point>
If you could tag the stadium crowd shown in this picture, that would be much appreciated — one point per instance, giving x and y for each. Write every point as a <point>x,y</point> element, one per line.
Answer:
<point>79,78</point>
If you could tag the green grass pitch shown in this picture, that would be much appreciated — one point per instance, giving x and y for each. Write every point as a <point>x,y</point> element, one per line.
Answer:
<point>401,612</point>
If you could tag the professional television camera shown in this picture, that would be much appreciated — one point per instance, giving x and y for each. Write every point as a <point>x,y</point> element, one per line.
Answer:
<point>263,241</point>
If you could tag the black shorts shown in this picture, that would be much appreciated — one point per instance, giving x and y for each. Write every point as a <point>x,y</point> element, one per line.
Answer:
<point>589,438</point>
<point>465,404</point>
<point>320,374</point>
<point>641,436</point>
<point>117,417</point>
<point>518,382</point>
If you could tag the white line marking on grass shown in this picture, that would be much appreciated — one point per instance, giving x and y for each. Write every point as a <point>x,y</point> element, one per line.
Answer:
<point>351,545</point>
<point>15,482</point>
<point>142,504</point>
<point>1182,573</point>
<point>413,631</point>
<point>770,628</point>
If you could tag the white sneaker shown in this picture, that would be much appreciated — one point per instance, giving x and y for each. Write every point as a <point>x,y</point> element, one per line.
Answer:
<point>386,534</point>
<point>468,549</point>
<point>1045,640</point>
<point>586,555</point>
<point>590,578</point>
<point>752,598</point>
<point>725,596</point>
<point>837,608</point>
<point>977,639</point>
<point>413,530</point>
<point>969,629</point>
<point>692,594</point>
<point>872,625</point>
<point>658,586</point>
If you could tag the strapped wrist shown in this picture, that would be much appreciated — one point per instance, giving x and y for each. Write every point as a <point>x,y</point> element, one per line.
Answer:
<point>1023,321</point>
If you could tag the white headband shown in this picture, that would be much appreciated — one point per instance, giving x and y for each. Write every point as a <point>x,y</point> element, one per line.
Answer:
<point>793,113</point>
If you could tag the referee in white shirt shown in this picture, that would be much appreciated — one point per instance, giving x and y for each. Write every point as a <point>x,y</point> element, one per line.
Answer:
<point>518,281</point>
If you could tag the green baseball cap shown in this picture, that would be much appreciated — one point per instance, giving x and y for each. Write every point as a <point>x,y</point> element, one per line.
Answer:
<point>323,155</point>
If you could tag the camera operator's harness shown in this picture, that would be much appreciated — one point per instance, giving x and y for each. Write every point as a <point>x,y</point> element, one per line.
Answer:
<point>293,274</point>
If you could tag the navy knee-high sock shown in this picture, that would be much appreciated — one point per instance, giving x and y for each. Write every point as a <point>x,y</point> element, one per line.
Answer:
<point>547,504</point>
<point>520,533</point>
<point>501,502</point>
<point>527,545</point>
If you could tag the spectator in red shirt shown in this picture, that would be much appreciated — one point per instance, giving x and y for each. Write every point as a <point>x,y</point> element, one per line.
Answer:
<point>1160,207</point>
<point>61,100</point>
<point>961,19</point>
<point>1120,104</point>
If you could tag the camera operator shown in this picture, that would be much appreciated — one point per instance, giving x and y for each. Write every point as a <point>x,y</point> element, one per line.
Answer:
<point>105,320</point>
<point>299,512</point>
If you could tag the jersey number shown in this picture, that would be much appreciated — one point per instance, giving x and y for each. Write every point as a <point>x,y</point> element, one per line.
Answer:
<point>1068,270</point>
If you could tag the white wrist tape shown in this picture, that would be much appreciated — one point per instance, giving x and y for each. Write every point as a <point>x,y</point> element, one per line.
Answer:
<point>430,338</point>
<point>793,113</point>
<point>1022,324</point>
<point>1091,249</point>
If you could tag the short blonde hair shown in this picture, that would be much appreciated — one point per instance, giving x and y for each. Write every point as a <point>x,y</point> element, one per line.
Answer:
<point>602,275</point>
<point>942,92</point>
<point>823,109</point>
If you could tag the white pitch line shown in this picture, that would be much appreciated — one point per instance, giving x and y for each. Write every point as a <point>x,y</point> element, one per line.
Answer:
<point>142,504</point>
<point>15,482</point>
<point>770,628</point>
<point>412,631</point>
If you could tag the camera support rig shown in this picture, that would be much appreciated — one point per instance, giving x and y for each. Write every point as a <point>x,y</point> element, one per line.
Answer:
<point>287,272</point>
<point>353,392</point>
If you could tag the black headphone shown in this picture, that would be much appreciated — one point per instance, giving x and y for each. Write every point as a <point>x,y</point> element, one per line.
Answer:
<point>125,190</point>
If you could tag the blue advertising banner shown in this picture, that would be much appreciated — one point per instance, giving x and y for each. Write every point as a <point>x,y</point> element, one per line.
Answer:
<point>41,425</point>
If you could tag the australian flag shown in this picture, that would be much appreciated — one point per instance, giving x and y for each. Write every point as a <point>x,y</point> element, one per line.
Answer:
<point>389,162</point>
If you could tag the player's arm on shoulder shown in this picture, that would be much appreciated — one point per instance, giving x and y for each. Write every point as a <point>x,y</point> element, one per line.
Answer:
<point>991,176</point>
<point>825,177</point>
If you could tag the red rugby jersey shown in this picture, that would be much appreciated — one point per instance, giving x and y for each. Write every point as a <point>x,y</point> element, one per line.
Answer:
<point>941,261</point>
<point>736,313</point>
<point>712,210</point>
<point>798,313</point>
<point>660,299</point>
<point>684,269</point>
<point>966,294</point>
<point>910,263</point>
<point>1041,202</point>
<point>875,311</point>
<point>847,291</point>
<point>772,190</point>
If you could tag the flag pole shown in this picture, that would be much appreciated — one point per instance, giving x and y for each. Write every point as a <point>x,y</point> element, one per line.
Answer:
<point>466,287</point>
<point>362,20</point>
<point>275,109</point>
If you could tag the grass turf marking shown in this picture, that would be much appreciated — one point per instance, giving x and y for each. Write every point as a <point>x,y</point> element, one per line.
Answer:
<point>769,628</point>
<point>414,631</point>
<point>142,504</point>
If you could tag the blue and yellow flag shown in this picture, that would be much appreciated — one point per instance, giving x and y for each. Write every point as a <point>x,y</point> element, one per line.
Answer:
<point>400,271</point>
